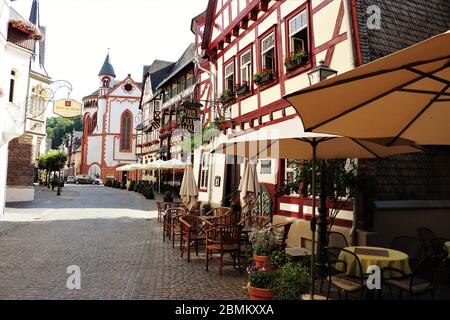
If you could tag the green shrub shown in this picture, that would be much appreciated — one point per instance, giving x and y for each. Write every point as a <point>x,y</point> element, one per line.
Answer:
<point>168,196</point>
<point>278,259</point>
<point>261,279</point>
<point>136,186</point>
<point>263,242</point>
<point>123,185</point>
<point>131,188</point>
<point>148,192</point>
<point>291,281</point>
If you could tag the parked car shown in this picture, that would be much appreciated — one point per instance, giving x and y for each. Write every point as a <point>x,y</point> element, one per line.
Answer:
<point>71,179</point>
<point>86,179</point>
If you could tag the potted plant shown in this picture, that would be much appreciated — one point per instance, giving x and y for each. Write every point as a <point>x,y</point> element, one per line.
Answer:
<point>278,259</point>
<point>263,77</point>
<point>168,196</point>
<point>227,96</point>
<point>291,282</point>
<point>123,185</point>
<point>242,88</point>
<point>263,244</point>
<point>148,192</point>
<point>259,284</point>
<point>131,188</point>
<point>295,59</point>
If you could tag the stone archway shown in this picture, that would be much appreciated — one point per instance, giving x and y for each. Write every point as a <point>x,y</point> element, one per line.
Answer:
<point>95,171</point>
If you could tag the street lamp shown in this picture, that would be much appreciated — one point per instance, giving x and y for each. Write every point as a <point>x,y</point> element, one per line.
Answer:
<point>318,74</point>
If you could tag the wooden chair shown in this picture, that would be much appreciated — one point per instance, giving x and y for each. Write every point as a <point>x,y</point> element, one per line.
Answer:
<point>171,223</point>
<point>339,278</point>
<point>255,221</point>
<point>412,246</point>
<point>192,233</point>
<point>230,218</point>
<point>433,245</point>
<point>282,229</point>
<point>221,240</point>
<point>218,212</point>
<point>196,209</point>
<point>161,208</point>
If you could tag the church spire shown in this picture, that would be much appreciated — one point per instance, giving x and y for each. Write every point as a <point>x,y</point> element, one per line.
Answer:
<point>107,68</point>
<point>34,14</point>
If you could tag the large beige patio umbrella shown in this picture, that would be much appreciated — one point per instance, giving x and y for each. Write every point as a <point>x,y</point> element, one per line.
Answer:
<point>249,187</point>
<point>403,95</point>
<point>280,142</point>
<point>189,190</point>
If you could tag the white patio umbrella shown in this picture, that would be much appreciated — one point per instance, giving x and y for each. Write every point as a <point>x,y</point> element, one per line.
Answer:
<point>173,164</point>
<point>249,186</point>
<point>189,190</point>
<point>155,165</point>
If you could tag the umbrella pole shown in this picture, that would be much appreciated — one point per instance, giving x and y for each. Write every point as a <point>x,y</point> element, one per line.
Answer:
<point>313,218</point>
<point>173,182</point>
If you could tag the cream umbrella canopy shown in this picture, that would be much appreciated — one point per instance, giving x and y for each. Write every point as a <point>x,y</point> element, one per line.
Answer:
<point>249,186</point>
<point>403,95</point>
<point>278,142</point>
<point>189,190</point>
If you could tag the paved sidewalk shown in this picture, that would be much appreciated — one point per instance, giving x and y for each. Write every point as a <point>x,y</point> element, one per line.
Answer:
<point>113,236</point>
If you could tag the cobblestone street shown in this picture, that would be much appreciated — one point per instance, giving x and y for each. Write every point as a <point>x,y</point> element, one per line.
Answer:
<point>115,239</point>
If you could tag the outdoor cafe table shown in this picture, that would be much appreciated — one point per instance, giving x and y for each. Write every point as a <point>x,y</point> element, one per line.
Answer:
<point>374,256</point>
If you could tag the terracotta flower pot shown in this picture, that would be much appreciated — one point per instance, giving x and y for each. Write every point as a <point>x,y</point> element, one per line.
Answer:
<point>261,261</point>
<point>259,294</point>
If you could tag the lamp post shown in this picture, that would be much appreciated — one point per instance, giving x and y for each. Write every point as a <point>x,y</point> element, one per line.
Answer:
<point>318,74</point>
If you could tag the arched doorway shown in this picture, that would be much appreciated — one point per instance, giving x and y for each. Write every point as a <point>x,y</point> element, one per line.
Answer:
<point>95,171</point>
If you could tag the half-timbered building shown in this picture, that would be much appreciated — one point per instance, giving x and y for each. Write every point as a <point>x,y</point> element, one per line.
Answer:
<point>254,52</point>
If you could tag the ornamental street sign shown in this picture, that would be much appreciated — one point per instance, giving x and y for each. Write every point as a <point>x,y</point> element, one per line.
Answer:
<point>67,108</point>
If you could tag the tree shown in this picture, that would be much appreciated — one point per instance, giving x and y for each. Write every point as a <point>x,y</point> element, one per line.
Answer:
<point>59,128</point>
<point>336,181</point>
<point>51,161</point>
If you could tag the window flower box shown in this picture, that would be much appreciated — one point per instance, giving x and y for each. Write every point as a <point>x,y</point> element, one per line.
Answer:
<point>263,77</point>
<point>295,60</point>
<point>227,96</point>
<point>242,89</point>
<point>174,125</point>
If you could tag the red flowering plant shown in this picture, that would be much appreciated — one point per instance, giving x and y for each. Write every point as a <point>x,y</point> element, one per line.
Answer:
<point>28,28</point>
<point>242,88</point>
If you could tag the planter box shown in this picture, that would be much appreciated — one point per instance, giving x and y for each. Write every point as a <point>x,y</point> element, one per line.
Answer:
<point>296,63</point>
<point>227,100</point>
<point>265,79</point>
<point>259,294</point>
<point>242,90</point>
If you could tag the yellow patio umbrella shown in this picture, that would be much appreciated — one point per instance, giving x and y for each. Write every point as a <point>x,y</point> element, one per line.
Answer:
<point>403,95</point>
<point>249,187</point>
<point>188,189</point>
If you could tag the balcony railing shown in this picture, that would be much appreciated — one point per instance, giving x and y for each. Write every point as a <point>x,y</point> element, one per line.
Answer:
<point>20,39</point>
<point>182,90</point>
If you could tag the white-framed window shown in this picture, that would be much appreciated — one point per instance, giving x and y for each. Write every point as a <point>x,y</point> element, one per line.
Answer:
<point>204,171</point>
<point>298,32</point>
<point>157,104</point>
<point>229,76</point>
<point>246,66</point>
<point>268,52</point>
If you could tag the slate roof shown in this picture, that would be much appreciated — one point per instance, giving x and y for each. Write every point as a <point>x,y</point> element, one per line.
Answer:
<point>403,23</point>
<point>186,58</point>
<point>107,68</point>
<point>423,176</point>
<point>158,71</point>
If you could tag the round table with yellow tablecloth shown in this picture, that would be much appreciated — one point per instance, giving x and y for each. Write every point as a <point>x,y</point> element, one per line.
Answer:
<point>381,257</point>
